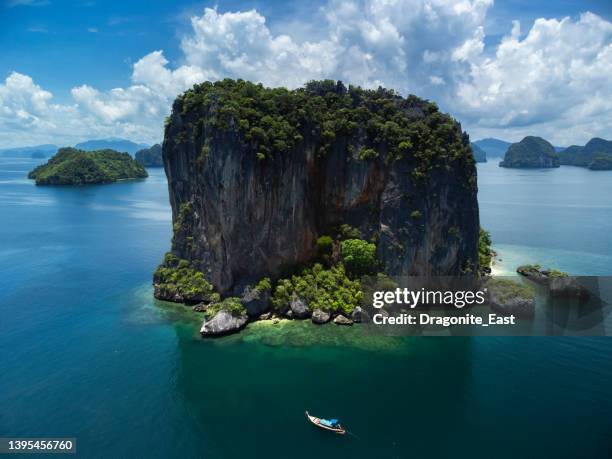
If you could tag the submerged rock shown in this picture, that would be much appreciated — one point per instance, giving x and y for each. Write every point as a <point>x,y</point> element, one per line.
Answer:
<point>342,320</point>
<point>320,317</point>
<point>223,323</point>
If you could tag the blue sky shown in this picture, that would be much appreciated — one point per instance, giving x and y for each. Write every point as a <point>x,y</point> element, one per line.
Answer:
<point>63,44</point>
<point>51,47</point>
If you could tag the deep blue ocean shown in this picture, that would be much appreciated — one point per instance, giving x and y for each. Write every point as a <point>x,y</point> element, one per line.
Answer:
<point>86,352</point>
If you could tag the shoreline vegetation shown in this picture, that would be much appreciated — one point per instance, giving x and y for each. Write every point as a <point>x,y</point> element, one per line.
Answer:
<point>303,297</point>
<point>333,288</point>
<point>71,166</point>
<point>327,290</point>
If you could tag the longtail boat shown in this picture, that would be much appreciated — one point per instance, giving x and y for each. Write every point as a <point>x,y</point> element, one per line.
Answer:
<point>328,424</point>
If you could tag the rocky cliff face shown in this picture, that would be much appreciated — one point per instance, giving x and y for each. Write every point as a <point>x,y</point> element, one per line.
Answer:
<point>245,207</point>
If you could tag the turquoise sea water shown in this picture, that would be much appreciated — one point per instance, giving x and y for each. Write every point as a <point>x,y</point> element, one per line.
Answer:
<point>557,217</point>
<point>86,352</point>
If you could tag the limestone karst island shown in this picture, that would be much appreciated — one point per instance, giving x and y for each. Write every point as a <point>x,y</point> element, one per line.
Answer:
<point>282,199</point>
<point>71,166</point>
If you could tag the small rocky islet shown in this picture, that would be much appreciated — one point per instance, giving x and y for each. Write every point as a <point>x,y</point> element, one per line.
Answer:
<point>560,284</point>
<point>71,166</point>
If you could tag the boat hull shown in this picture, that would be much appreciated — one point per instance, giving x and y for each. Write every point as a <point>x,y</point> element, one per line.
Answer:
<point>317,422</point>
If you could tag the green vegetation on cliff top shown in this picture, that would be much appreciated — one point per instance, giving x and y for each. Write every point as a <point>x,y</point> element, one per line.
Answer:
<point>76,167</point>
<point>276,120</point>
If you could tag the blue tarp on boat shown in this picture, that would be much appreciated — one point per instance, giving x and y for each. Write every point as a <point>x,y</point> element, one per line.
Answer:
<point>329,423</point>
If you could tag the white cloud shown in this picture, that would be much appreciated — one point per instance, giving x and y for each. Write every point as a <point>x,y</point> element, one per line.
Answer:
<point>241,45</point>
<point>555,81</point>
<point>152,72</point>
<point>14,3</point>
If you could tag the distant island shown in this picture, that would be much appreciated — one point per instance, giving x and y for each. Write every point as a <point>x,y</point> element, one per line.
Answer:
<point>494,148</point>
<point>531,152</point>
<point>111,144</point>
<point>38,155</point>
<point>71,166</point>
<point>595,155</point>
<point>150,157</point>
<point>479,154</point>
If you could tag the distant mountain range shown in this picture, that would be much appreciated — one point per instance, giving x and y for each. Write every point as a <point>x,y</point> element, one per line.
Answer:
<point>121,145</point>
<point>46,150</point>
<point>494,148</point>
<point>34,151</point>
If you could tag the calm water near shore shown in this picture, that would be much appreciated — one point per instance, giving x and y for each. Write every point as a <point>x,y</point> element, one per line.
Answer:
<point>86,352</point>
